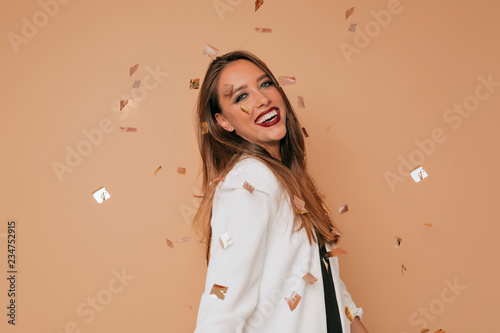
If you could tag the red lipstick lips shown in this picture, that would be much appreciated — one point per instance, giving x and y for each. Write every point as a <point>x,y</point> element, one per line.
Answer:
<point>270,123</point>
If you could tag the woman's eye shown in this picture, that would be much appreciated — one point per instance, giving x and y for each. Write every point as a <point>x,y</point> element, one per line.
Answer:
<point>240,97</point>
<point>266,84</point>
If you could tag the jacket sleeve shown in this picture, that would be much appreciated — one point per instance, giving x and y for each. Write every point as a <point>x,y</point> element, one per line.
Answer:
<point>245,217</point>
<point>355,311</point>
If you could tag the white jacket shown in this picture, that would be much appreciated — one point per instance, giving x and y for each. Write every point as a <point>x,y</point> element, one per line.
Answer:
<point>265,263</point>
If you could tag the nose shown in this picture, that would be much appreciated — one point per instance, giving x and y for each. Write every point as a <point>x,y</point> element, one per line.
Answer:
<point>261,99</point>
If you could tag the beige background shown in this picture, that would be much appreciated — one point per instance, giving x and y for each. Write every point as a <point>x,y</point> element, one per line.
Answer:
<point>362,116</point>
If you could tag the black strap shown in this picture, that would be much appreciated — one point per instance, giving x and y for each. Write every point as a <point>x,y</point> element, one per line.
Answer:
<point>333,322</point>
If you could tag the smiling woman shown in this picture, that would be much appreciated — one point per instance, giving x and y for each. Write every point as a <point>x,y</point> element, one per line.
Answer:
<point>271,267</point>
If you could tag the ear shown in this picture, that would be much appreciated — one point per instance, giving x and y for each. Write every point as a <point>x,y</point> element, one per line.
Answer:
<point>223,122</point>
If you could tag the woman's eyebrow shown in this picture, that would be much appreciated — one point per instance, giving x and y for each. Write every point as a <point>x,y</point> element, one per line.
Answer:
<point>244,86</point>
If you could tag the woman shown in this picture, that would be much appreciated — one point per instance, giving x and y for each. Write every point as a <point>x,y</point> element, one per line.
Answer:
<point>267,231</point>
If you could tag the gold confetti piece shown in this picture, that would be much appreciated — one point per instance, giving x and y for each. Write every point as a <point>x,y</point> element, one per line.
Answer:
<point>403,269</point>
<point>397,242</point>
<point>286,80</point>
<point>327,212</point>
<point>418,174</point>
<point>225,240</point>
<point>198,196</point>
<point>137,84</point>
<point>245,109</point>
<point>183,239</point>
<point>218,291</point>
<point>352,27</point>
<point>170,243</point>
<point>440,331</point>
<point>293,301</point>
<point>264,30</point>
<point>204,128</point>
<point>328,129</point>
<point>424,330</point>
<point>309,278</point>
<point>305,132</point>
<point>428,224</point>
<point>227,89</point>
<point>216,180</point>
<point>336,231</point>
<point>248,187</point>
<point>258,3</point>
<point>348,314</point>
<point>123,103</point>
<point>133,69</point>
<point>321,195</point>
<point>194,84</point>
<point>300,204</point>
<point>128,129</point>
<point>349,12</point>
<point>343,209</point>
<point>300,101</point>
<point>325,262</point>
<point>335,252</point>
<point>210,51</point>
<point>157,169</point>
<point>181,170</point>
<point>101,195</point>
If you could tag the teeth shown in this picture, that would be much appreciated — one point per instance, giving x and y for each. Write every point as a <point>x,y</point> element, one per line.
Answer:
<point>267,116</point>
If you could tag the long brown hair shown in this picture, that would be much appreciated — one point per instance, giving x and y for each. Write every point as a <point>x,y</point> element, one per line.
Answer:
<point>221,149</point>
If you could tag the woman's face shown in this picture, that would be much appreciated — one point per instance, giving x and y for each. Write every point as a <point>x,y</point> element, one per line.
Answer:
<point>253,90</point>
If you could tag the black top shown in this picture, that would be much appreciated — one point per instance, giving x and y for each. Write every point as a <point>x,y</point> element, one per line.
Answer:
<point>333,322</point>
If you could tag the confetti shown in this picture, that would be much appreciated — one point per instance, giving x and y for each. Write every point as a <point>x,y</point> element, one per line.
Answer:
<point>225,240</point>
<point>403,269</point>
<point>328,129</point>
<point>198,196</point>
<point>194,84</point>
<point>248,187</point>
<point>183,239</point>
<point>343,209</point>
<point>336,231</point>
<point>218,291</point>
<point>293,301</point>
<point>352,27</point>
<point>428,224</point>
<point>440,331</point>
<point>191,307</point>
<point>123,103</point>
<point>286,80</point>
<point>170,243</point>
<point>397,242</point>
<point>348,314</point>
<point>300,204</point>
<point>349,12</point>
<point>424,330</point>
<point>227,89</point>
<point>335,253</point>
<point>133,69</point>
<point>128,129</point>
<point>418,174</point>
<point>326,264</point>
<point>210,51</point>
<point>321,195</point>
<point>216,180</point>
<point>309,278</point>
<point>263,30</point>
<point>245,109</point>
<point>101,195</point>
<point>181,170</point>
<point>327,212</point>
<point>137,84</point>
<point>157,169</point>
<point>300,101</point>
<point>204,128</point>
<point>258,3</point>
<point>305,132</point>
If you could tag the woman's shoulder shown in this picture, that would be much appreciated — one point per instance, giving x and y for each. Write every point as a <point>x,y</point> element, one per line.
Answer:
<point>254,172</point>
